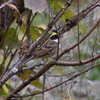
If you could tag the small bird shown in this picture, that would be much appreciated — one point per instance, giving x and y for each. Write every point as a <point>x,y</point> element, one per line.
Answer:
<point>48,48</point>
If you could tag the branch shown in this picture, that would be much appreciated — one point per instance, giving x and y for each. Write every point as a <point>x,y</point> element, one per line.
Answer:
<point>73,77</point>
<point>32,78</point>
<point>76,44</point>
<point>56,18</point>
<point>35,44</point>
<point>62,63</point>
<point>74,20</point>
<point>3,5</point>
<point>43,70</point>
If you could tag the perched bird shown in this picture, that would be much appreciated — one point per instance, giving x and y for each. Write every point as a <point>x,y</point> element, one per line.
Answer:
<point>48,48</point>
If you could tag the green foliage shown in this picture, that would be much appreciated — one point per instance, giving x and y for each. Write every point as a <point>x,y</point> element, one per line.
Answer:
<point>35,32</point>
<point>56,6</point>
<point>59,70</point>
<point>4,90</point>
<point>2,66</point>
<point>26,74</point>
<point>11,39</point>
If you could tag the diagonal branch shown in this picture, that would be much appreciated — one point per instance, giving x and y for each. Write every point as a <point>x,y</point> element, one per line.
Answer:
<point>76,44</point>
<point>73,77</point>
<point>43,70</point>
<point>74,20</point>
<point>35,44</point>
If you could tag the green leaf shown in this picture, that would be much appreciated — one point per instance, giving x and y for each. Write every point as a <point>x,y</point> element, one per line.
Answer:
<point>4,65</point>
<point>37,84</point>
<point>26,74</point>
<point>35,32</point>
<point>58,69</point>
<point>9,87</point>
<point>10,40</point>
<point>56,6</point>
<point>4,90</point>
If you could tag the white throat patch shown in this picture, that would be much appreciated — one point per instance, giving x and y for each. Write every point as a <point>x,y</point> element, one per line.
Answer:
<point>56,40</point>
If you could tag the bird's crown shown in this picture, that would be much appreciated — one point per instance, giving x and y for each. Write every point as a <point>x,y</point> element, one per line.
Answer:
<point>54,35</point>
<point>54,32</point>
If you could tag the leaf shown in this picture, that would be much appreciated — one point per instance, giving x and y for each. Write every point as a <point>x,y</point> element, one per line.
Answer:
<point>35,32</point>
<point>9,87</point>
<point>10,39</point>
<point>58,69</point>
<point>4,90</point>
<point>36,5</point>
<point>37,91</point>
<point>37,84</point>
<point>4,65</point>
<point>27,74</point>
<point>56,6</point>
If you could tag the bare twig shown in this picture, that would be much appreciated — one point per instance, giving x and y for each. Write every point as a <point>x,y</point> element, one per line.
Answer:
<point>73,77</point>
<point>62,63</point>
<point>78,35</point>
<point>3,5</point>
<point>76,44</point>
<point>74,20</point>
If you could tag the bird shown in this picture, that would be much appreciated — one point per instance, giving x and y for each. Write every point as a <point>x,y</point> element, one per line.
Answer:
<point>48,48</point>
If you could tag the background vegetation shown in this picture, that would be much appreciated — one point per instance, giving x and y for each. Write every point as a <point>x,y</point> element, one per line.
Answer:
<point>73,74</point>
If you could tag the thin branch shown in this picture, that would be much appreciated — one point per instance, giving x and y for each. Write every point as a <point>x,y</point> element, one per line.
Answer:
<point>3,5</point>
<point>73,77</point>
<point>5,33</point>
<point>28,25</point>
<point>80,69</point>
<point>79,56</point>
<point>74,20</point>
<point>76,44</point>
<point>62,63</point>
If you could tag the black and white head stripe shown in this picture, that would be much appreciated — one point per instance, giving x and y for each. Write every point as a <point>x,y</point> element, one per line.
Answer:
<point>53,37</point>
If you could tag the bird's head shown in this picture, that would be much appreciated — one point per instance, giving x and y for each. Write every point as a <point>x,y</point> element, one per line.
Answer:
<point>54,36</point>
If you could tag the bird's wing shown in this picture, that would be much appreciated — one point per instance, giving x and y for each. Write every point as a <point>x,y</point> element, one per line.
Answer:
<point>42,52</point>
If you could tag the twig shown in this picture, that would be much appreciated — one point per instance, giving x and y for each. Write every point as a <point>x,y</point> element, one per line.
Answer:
<point>79,56</point>
<point>62,63</point>
<point>73,77</point>
<point>74,20</point>
<point>5,4</point>
<point>28,25</point>
<point>76,44</point>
